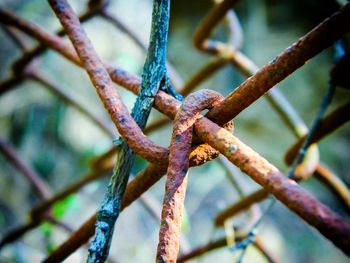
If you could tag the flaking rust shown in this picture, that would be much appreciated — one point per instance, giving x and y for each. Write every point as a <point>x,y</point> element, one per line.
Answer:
<point>175,189</point>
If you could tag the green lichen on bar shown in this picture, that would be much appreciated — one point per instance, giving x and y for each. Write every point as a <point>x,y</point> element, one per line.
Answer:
<point>154,77</point>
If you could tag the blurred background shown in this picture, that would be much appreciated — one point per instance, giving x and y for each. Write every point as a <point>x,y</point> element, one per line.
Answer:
<point>58,142</point>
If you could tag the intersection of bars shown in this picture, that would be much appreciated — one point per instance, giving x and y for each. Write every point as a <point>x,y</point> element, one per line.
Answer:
<point>273,181</point>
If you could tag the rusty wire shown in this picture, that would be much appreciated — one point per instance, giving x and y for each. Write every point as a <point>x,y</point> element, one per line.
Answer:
<point>273,181</point>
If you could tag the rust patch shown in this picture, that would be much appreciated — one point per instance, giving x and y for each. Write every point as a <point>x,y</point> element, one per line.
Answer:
<point>175,189</point>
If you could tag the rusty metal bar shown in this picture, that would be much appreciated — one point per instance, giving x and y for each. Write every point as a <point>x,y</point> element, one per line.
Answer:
<point>175,187</point>
<point>295,56</point>
<point>285,190</point>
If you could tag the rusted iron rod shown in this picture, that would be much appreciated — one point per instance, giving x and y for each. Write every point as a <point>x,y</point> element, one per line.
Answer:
<point>335,184</point>
<point>175,188</point>
<point>154,75</point>
<point>318,37</point>
<point>321,37</point>
<point>62,252</point>
<point>300,50</point>
<point>327,222</point>
<point>201,75</point>
<point>141,144</point>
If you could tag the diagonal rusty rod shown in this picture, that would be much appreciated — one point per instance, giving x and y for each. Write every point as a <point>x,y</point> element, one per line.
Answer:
<point>320,37</point>
<point>283,65</point>
<point>327,222</point>
<point>329,124</point>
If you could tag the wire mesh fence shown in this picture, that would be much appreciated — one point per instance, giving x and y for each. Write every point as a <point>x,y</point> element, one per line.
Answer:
<point>213,135</point>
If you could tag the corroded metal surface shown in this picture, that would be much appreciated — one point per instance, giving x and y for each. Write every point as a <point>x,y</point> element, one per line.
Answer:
<point>287,191</point>
<point>175,187</point>
<point>295,56</point>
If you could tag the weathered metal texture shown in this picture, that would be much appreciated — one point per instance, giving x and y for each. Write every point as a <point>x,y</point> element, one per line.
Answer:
<point>175,188</point>
<point>163,102</point>
<point>142,182</point>
<point>300,51</point>
<point>330,123</point>
<point>132,82</point>
<point>100,78</point>
<point>229,52</point>
<point>335,184</point>
<point>285,190</point>
<point>321,37</point>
